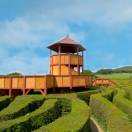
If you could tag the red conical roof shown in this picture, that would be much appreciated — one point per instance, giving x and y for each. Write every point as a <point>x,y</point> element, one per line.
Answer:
<point>68,45</point>
<point>68,40</point>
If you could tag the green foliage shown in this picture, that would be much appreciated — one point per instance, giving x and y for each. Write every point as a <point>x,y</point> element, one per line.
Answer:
<point>86,95</point>
<point>108,115</point>
<point>14,74</point>
<point>108,93</point>
<point>117,76</point>
<point>64,106</point>
<point>76,121</point>
<point>104,71</point>
<point>125,69</point>
<point>4,101</point>
<point>48,112</point>
<point>128,93</point>
<point>87,72</point>
<point>124,104</point>
<point>20,106</point>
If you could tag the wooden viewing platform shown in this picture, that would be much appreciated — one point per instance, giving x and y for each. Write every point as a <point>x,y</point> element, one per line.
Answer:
<point>42,83</point>
<point>66,66</point>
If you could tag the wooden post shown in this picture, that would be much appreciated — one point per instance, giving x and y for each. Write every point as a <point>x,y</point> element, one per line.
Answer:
<point>45,91</point>
<point>69,66</point>
<point>27,91</point>
<point>50,62</point>
<point>82,61</point>
<point>85,82</point>
<point>78,67</point>
<point>24,85</point>
<point>59,59</point>
<point>10,89</point>
<point>71,79</point>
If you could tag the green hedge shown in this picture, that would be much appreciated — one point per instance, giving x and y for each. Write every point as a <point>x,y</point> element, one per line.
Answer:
<point>20,106</point>
<point>48,112</point>
<point>86,95</point>
<point>109,94</point>
<point>108,115</point>
<point>123,103</point>
<point>129,93</point>
<point>4,101</point>
<point>76,120</point>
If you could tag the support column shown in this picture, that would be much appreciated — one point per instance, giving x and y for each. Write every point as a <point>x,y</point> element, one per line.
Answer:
<point>69,66</point>
<point>45,91</point>
<point>78,67</point>
<point>24,91</point>
<point>59,53</point>
<point>82,61</point>
<point>51,69</point>
<point>10,89</point>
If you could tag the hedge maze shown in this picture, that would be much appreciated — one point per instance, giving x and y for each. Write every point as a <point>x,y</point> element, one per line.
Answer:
<point>110,107</point>
<point>109,116</point>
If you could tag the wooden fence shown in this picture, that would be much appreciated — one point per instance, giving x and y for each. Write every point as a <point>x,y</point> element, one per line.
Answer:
<point>43,82</point>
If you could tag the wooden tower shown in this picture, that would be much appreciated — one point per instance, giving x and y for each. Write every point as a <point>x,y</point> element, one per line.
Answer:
<point>67,58</point>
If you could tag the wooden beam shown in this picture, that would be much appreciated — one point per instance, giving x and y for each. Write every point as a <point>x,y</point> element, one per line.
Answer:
<point>23,91</point>
<point>59,59</point>
<point>10,92</point>
<point>24,85</point>
<point>43,91</point>
<point>82,61</point>
<point>69,65</point>
<point>27,91</point>
<point>71,79</point>
<point>10,89</point>
<point>51,63</point>
<point>78,69</point>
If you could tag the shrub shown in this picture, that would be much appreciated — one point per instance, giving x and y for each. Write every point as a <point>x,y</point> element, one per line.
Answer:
<point>20,106</point>
<point>76,120</point>
<point>122,103</point>
<point>4,101</point>
<point>64,106</point>
<point>47,113</point>
<point>86,95</point>
<point>109,116</point>
<point>109,94</point>
<point>128,93</point>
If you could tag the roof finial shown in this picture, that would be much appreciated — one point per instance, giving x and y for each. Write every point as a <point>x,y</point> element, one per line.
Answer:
<point>67,36</point>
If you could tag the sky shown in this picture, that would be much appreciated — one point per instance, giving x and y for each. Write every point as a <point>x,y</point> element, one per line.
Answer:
<point>27,27</point>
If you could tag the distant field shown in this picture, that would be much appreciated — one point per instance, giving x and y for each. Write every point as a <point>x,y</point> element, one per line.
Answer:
<point>117,76</point>
<point>123,80</point>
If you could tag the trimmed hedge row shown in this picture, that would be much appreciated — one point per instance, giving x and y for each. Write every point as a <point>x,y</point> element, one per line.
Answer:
<point>20,106</point>
<point>122,103</point>
<point>48,112</point>
<point>33,120</point>
<point>86,95</point>
<point>128,93</point>
<point>108,115</point>
<point>4,101</point>
<point>76,120</point>
<point>109,94</point>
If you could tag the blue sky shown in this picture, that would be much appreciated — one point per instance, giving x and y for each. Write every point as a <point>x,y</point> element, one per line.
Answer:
<point>27,27</point>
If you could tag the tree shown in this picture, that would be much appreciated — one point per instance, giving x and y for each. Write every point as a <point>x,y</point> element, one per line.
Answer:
<point>87,72</point>
<point>104,71</point>
<point>14,74</point>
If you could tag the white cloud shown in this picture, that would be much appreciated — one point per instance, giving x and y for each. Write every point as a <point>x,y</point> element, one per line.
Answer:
<point>25,63</point>
<point>46,21</point>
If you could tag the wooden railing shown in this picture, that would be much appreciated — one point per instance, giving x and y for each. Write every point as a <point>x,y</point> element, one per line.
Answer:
<point>66,59</point>
<point>42,82</point>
